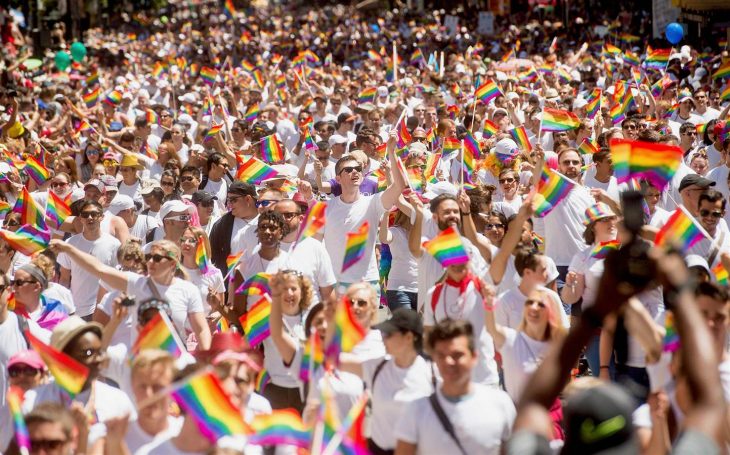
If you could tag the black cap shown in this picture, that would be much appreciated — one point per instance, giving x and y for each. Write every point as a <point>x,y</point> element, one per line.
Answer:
<point>591,413</point>
<point>242,189</point>
<point>202,197</point>
<point>402,320</point>
<point>695,179</point>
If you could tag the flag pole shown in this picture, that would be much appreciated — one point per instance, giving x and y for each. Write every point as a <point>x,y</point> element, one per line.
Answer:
<point>395,62</point>
<point>441,66</point>
<point>461,173</point>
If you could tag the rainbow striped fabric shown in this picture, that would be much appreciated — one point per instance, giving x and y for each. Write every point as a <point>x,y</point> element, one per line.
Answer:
<point>30,212</point>
<point>601,250</point>
<point>594,103</point>
<point>432,162</point>
<point>158,333</point>
<point>257,284</point>
<point>355,246</point>
<point>312,358</point>
<point>271,150</point>
<point>348,331</point>
<point>471,152</point>
<point>680,231</point>
<point>213,132</point>
<point>490,129</point>
<point>556,120</point>
<point>209,75</point>
<point>92,97</point>
<point>152,117</point>
<point>588,147</point>
<point>721,275</point>
<point>367,95</point>
<point>723,71</point>
<point>113,98</point>
<point>417,58</point>
<point>203,398</point>
<point>671,337</point>
<point>652,161</point>
<point>657,58</point>
<point>487,91</point>
<point>551,189</point>
<point>14,399</point>
<point>69,373</point>
<point>255,322</point>
<point>447,248</point>
<point>36,170</point>
<point>519,134</point>
<point>255,171</point>
<point>201,257</point>
<point>725,95</point>
<point>451,144</point>
<point>313,222</point>
<point>228,9</point>
<point>92,79</point>
<point>404,136</point>
<point>373,55</point>
<point>28,240</point>
<point>262,380</point>
<point>281,427</point>
<point>252,113</point>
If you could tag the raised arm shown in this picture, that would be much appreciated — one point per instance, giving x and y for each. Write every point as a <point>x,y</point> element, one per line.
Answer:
<point>115,278</point>
<point>510,241</point>
<point>470,230</point>
<point>285,344</point>
<point>497,331</point>
<point>383,234</point>
<point>414,236</point>
<point>390,195</point>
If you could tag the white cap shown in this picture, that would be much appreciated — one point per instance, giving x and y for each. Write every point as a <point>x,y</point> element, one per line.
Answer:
<point>579,103</point>
<point>507,148</point>
<point>77,194</point>
<point>119,203</point>
<point>174,206</point>
<point>382,91</point>
<point>438,188</point>
<point>337,139</point>
<point>695,260</point>
<point>188,98</point>
<point>512,96</point>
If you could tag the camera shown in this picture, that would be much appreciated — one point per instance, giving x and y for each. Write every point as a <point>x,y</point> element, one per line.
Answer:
<point>128,301</point>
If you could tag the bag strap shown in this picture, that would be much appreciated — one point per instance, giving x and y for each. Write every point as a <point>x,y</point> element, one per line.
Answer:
<point>23,327</point>
<point>377,371</point>
<point>715,249</point>
<point>445,422</point>
<point>153,288</point>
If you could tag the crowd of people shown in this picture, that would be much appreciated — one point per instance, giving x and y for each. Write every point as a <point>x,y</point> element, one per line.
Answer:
<point>196,167</point>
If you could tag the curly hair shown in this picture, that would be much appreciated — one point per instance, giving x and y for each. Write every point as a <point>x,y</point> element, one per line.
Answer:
<point>306,287</point>
<point>276,218</point>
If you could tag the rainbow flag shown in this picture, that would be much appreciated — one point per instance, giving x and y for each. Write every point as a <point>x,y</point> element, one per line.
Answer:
<point>203,398</point>
<point>92,97</point>
<point>611,49</point>
<point>635,159</point>
<point>14,397</point>
<point>657,58</point>
<point>680,230</point>
<point>228,9</point>
<point>594,103</point>
<point>262,380</point>
<point>601,250</point>
<point>255,171</point>
<point>114,97</point>
<point>83,126</point>
<point>451,144</point>
<point>201,258</point>
<point>209,75</point>
<point>671,337</point>
<point>348,332</point>
<point>69,373</point>
<point>312,358</point>
<point>252,113</point>
<point>551,189</point>
<point>389,71</point>
<point>471,152</point>
<point>4,208</point>
<point>658,87</point>
<point>222,325</point>
<point>723,71</point>
<point>432,162</point>
<point>257,284</point>
<point>367,95</point>
<point>490,129</point>
<point>417,58</point>
<point>588,147</point>
<point>158,333</point>
<point>721,275</point>
<point>350,429</point>
<point>281,427</point>
<point>355,246</point>
<point>447,248</point>
<point>314,221</point>
<point>36,170</point>
<point>617,114</point>
<point>519,134</point>
<point>157,70</point>
<point>92,79</point>
<point>529,75</point>
<point>415,178</point>
<point>152,118</point>
<point>255,322</point>
<point>373,55</point>
<point>631,58</point>
<point>28,240</point>
<point>309,140</point>
<point>725,95</point>
<point>557,120</point>
<point>213,131</point>
<point>271,150</point>
<point>57,209</point>
<point>258,77</point>
<point>487,91</point>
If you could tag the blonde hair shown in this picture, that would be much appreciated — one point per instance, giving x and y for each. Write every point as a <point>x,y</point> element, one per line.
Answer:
<point>306,287</point>
<point>554,329</point>
<point>171,250</point>
<point>147,358</point>
<point>372,297</point>
<point>46,265</point>
<point>200,233</point>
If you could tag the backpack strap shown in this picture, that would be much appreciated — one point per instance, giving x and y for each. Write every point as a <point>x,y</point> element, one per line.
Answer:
<point>435,296</point>
<point>24,328</point>
<point>150,236</point>
<point>378,369</point>
<point>153,288</point>
<point>445,422</point>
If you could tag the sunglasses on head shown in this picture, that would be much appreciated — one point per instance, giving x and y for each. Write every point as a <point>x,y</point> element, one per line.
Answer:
<point>349,169</point>
<point>178,218</point>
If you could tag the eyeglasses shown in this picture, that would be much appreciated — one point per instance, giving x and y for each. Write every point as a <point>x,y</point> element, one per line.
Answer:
<point>187,178</point>
<point>289,215</point>
<point>571,163</point>
<point>47,445</point>
<point>265,203</point>
<point>167,183</point>
<point>233,200</point>
<point>507,180</point>
<point>90,214</point>
<point>349,169</point>
<point>19,283</point>
<point>224,165</point>
<point>58,184</point>
<point>717,214</point>
<point>157,258</point>
<point>629,127</point>
<point>495,226</point>
<point>178,218</point>
<point>92,152</point>
<point>361,303</point>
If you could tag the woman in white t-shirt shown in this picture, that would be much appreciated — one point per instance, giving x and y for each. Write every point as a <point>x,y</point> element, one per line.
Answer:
<point>402,288</point>
<point>523,349</point>
<point>166,281</point>
<point>509,183</point>
<point>209,284</point>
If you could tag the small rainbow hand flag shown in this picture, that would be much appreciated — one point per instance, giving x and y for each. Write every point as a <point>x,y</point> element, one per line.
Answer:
<point>14,398</point>
<point>28,240</point>
<point>213,131</point>
<point>447,248</point>
<point>588,147</point>
<point>451,144</point>
<point>367,95</point>
<point>487,91</point>
<point>594,103</point>
<point>92,97</point>
<point>281,427</point>
<point>70,374</point>
<point>228,9</point>
<point>551,189</point>
<point>601,250</point>
<point>471,152</point>
<point>432,162</point>
<point>721,275</point>
<point>490,129</point>
<point>203,398</point>
<point>57,209</point>
<point>257,284</point>
<point>152,117</point>
<point>209,75</point>
<point>348,332</point>
<point>314,221</point>
<point>36,170</point>
<point>636,159</point>
<point>271,150</point>
<point>312,359</point>
<point>519,134</point>
<point>722,72</point>
<point>201,257</point>
<point>555,120</point>
<point>232,261</point>
<point>255,171</point>
<point>680,230</point>
<point>671,337</point>
<point>252,113</point>
<point>404,136</point>
<point>255,322</point>
<point>158,333</point>
<point>355,246</point>
<point>113,98</point>
<point>30,212</point>
<point>4,208</point>
<point>262,380</point>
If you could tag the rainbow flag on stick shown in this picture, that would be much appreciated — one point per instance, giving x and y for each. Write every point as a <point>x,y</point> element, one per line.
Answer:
<point>451,144</point>
<point>490,129</point>
<point>593,103</point>
<point>588,147</point>
<point>213,132</point>
<point>680,230</point>
<point>281,427</point>
<point>355,246</point>
<point>201,258</point>
<point>252,113</point>
<point>70,374</point>
<point>262,380</point>
<point>723,71</point>
<point>367,95</point>
<point>29,211</point>
<point>556,120</point>
<point>671,337</point>
<point>312,358</point>
<point>27,240</point>
<point>255,322</point>
<point>725,94</point>
<point>203,398</point>
<point>601,250</point>
<point>14,398</point>
<point>519,134</point>
<point>36,170</point>
<point>551,189</point>
<point>432,162</point>
<point>57,209</point>
<point>652,161</point>
<point>487,91</point>
<point>721,275</point>
<point>92,97</point>
<point>348,332</point>
<point>657,58</point>
<point>447,248</point>
<point>257,284</point>
<point>158,333</point>
<point>471,152</point>
<point>271,150</point>
<point>209,75</point>
<point>228,9</point>
<point>313,222</point>
<point>404,136</point>
<point>255,171</point>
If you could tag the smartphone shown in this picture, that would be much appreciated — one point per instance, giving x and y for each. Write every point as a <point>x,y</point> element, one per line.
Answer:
<point>128,301</point>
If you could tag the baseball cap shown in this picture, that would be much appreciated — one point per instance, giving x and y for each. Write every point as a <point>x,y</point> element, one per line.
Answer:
<point>119,203</point>
<point>242,189</point>
<point>597,212</point>
<point>417,147</point>
<point>174,206</point>
<point>342,118</point>
<point>28,357</point>
<point>150,187</point>
<point>695,179</point>
<point>96,183</point>
<point>70,328</point>
<point>498,111</point>
<point>438,188</point>
<point>695,260</point>
<point>402,320</point>
<point>110,183</point>
<point>337,139</point>
<point>201,196</point>
<point>506,150</point>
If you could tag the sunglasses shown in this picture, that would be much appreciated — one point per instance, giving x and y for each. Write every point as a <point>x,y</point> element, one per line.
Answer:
<point>290,215</point>
<point>19,283</point>
<point>264,203</point>
<point>361,303</point>
<point>14,372</point>
<point>349,169</point>
<point>495,226</point>
<point>167,183</point>
<point>157,258</point>
<point>187,178</point>
<point>89,353</point>
<point>12,224</point>
<point>90,214</point>
<point>713,213</point>
<point>507,180</point>
<point>188,240</point>
<point>58,184</point>
<point>109,163</point>
<point>178,218</point>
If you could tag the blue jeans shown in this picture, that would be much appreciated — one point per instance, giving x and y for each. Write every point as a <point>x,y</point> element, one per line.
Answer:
<point>400,299</point>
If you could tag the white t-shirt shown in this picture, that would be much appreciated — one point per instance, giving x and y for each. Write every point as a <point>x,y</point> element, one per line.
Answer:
<point>281,374</point>
<point>403,274</point>
<point>564,226</point>
<point>12,342</point>
<point>510,306</point>
<point>136,437</point>
<point>85,286</point>
<point>671,193</point>
<point>213,280</point>
<point>61,293</point>
<point>721,241</point>
<point>610,187</point>
<point>143,224</point>
<point>467,307</point>
<point>244,236</point>
<point>125,331</point>
<point>132,191</point>
<point>371,347</point>
<point>311,259</point>
<point>219,189</point>
<point>394,388</point>
<point>521,355</point>
<point>342,218</point>
<point>482,421</point>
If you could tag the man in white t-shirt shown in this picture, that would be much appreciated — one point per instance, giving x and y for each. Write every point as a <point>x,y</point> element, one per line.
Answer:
<point>481,417</point>
<point>350,211</point>
<point>92,240</point>
<point>710,214</point>
<point>601,176</point>
<point>216,184</point>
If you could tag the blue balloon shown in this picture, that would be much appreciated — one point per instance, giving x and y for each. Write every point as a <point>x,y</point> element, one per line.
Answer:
<point>674,33</point>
